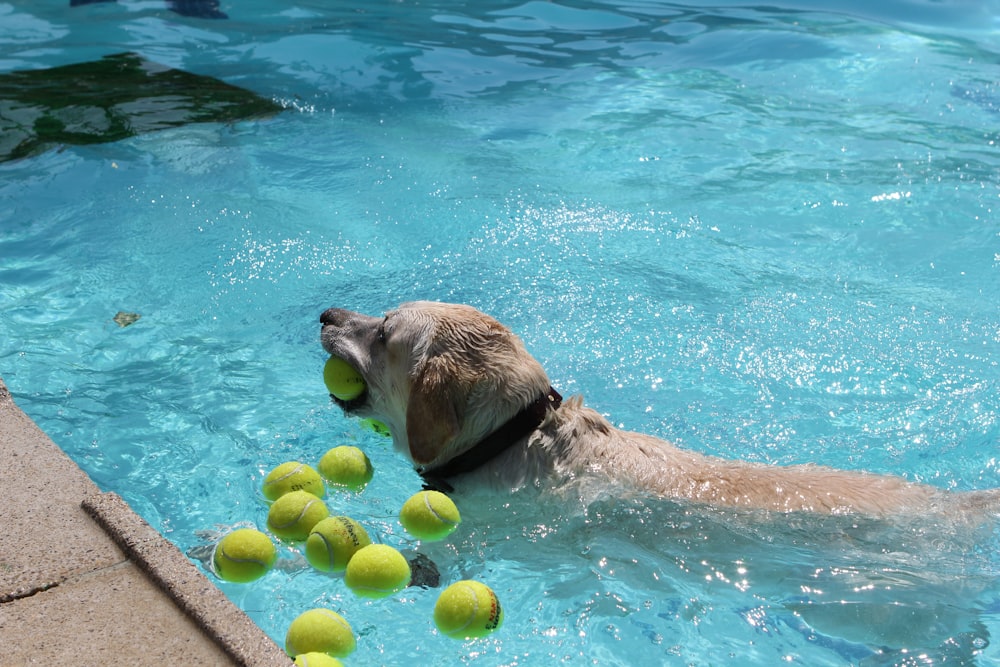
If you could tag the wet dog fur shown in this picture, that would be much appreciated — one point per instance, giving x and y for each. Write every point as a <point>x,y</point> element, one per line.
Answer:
<point>443,377</point>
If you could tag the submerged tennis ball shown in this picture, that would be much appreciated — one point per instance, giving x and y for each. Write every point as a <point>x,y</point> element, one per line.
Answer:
<point>429,515</point>
<point>333,542</point>
<point>292,476</point>
<point>346,466</point>
<point>315,659</point>
<point>293,515</point>
<point>376,426</point>
<point>320,631</point>
<point>342,380</point>
<point>376,571</point>
<point>244,555</point>
<point>468,609</point>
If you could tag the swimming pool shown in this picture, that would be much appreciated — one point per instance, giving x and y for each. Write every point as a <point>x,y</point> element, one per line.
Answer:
<point>762,232</point>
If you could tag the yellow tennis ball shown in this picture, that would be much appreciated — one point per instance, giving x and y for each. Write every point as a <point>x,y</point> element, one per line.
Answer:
<point>315,659</point>
<point>468,609</point>
<point>292,476</point>
<point>294,514</point>
<point>320,631</point>
<point>346,466</point>
<point>377,571</point>
<point>429,515</point>
<point>333,542</point>
<point>342,380</point>
<point>244,555</point>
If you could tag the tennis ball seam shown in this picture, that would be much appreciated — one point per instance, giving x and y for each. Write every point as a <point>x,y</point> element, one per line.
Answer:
<point>330,557</point>
<point>288,474</point>
<point>298,517</point>
<point>430,508</point>
<point>475,608</point>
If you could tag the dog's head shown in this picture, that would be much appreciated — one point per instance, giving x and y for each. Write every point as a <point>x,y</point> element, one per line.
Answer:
<point>440,376</point>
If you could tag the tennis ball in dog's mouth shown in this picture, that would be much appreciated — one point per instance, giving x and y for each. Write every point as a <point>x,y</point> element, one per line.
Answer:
<point>341,380</point>
<point>320,631</point>
<point>377,571</point>
<point>468,609</point>
<point>243,555</point>
<point>429,516</point>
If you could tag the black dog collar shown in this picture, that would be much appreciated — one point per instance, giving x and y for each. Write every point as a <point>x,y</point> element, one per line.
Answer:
<point>520,425</point>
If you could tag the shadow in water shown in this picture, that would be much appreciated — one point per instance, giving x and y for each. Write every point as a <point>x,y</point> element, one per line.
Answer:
<point>113,98</point>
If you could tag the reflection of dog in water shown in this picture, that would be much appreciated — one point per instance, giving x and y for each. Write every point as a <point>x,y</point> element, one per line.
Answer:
<point>468,405</point>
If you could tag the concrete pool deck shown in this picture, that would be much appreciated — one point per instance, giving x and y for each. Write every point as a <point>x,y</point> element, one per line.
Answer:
<point>85,581</point>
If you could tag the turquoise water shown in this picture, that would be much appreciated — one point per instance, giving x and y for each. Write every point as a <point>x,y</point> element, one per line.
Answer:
<point>765,232</point>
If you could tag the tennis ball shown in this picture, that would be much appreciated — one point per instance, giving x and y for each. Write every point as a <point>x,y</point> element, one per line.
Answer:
<point>342,380</point>
<point>468,609</point>
<point>376,571</point>
<point>294,514</point>
<point>333,541</point>
<point>244,555</point>
<point>376,426</point>
<point>315,659</point>
<point>346,466</point>
<point>292,476</point>
<point>320,631</point>
<point>429,515</point>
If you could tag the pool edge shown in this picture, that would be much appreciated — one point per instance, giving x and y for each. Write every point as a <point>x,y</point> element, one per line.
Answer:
<point>179,579</point>
<point>84,578</point>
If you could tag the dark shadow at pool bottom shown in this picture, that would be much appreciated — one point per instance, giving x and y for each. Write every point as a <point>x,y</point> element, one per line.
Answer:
<point>110,99</point>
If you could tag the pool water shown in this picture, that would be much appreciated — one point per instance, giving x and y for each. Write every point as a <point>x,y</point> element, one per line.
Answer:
<point>769,233</point>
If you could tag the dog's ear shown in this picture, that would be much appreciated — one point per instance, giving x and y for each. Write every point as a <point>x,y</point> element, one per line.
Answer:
<point>433,416</point>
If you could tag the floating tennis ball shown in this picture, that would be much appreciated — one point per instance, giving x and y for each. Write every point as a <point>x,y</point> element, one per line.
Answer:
<point>346,466</point>
<point>429,515</point>
<point>320,631</point>
<point>376,426</point>
<point>292,476</point>
<point>333,542</point>
<point>342,380</point>
<point>468,609</point>
<point>294,514</point>
<point>376,571</point>
<point>244,555</point>
<point>315,659</point>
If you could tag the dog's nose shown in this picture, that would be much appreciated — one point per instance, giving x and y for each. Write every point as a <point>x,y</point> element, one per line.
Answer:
<point>334,316</point>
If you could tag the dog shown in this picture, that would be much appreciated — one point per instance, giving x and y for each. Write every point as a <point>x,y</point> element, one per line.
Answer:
<point>467,404</point>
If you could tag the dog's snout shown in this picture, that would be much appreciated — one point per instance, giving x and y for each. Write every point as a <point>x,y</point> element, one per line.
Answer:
<point>333,316</point>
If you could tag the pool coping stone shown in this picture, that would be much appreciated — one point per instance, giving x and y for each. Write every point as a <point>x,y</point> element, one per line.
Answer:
<point>84,577</point>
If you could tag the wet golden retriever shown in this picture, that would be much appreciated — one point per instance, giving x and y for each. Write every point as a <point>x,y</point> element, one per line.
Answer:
<point>468,405</point>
